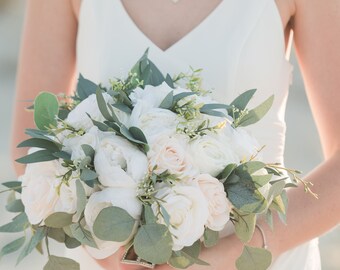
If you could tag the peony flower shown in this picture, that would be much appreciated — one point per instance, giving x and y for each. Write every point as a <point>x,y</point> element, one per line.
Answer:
<point>78,117</point>
<point>188,211</point>
<point>155,122</point>
<point>218,204</point>
<point>212,153</point>
<point>39,194</point>
<point>119,163</point>
<point>124,198</point>
<point>171,154</point>
<point>73,145</point>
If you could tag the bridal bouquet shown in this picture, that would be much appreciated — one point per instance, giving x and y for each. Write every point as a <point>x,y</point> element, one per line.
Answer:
<point>152,163</point>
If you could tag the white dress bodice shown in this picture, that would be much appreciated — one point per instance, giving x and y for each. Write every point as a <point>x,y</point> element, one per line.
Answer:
<point>239,46</point>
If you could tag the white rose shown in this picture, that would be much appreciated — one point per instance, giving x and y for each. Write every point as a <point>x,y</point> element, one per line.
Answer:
<point>39,194</point>
<point>212,153</point>
<point>218,204</point>
<point>124,198</point>
<point>244,145</point>
<point>73,145</point>
<point>78,117</point>
<point>155,122</point>
<point>188,211</point>
<point>119,163</point>
<point>150,96</point>
<point>171,154</point>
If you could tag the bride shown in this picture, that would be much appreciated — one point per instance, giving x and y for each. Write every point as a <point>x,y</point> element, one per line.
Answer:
<point>240,44</point>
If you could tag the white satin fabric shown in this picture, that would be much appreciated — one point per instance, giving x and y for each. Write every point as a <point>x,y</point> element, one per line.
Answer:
<point>240,46</point>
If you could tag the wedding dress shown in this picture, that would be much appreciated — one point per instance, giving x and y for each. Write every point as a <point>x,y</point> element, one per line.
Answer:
<point>240,46</point>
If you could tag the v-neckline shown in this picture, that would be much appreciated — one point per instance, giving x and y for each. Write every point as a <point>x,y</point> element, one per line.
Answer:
<point>204,21</point>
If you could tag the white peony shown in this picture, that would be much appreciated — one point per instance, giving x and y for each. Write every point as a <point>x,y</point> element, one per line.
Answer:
<point>188,211</point>
<point>124,198</point>
<point>218,204</point>
<point>244,145</point>
<point>39,194</point>
<point>171,154</point>
<point>155,122</point>
<point>78,117</point>
<point>150,96</point>
<point>119,163</point>
<point>73,145</point>
<point>212,153</point>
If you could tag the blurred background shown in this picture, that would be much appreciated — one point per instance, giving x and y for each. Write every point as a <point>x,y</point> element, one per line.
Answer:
<point>303,149</point>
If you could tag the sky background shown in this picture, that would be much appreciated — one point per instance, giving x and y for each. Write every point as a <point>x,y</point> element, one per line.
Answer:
<point>303,149</point>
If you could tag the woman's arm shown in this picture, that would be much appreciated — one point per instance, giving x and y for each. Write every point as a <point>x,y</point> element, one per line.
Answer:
<point>317,39</point>
<point>47,60</point>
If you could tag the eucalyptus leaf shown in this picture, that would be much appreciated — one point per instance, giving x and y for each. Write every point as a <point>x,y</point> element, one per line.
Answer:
<point>149,216</point>
<point>227,171</point>
<point>85,88</point>
<point>88,150</point>
<point>38,235</point>
<point>63,155</point>
<point>41,143</point>
<point>214,106</point>
<point>14,185</point>
<point>46,108</point>
<point>153,243</point>
<point>82,235</point>
<point>138,134</point>
<point>276,189</point>
<point>38,156</point>
<point>213,113</point>
<point>169,81</point>
<point>81,199</point>
<point>56,234</point>
<point>58,220</point>
<point>15,206</point>
<point>71,242</point>
<point>39,134</point>
<point>127,134</point>
<point>244,226</point>
<point>242,100</point>
<point>167,101</point>
<point>210,237</point>
<point>61,263</point>
<point>103,106</point>
<point>113,224</point>
<point>254,259</point>
<point>182,95</point>
<point>18,224</point>
<point>12,246</point>
<point>257,114</point>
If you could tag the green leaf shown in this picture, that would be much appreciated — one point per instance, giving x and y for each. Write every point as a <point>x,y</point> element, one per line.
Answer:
<point>213,113</point>
<point>276,189</point>
<point>81,199</point>
<point>39,134</point>
<point>138,134</point>
<point>149,215</point>
<point>88,150</point>
<point>169,81</point>
<point>103,106</point>
<point>153,243</point>
<point>46,108</point>
<point>258,113</point>
<point>38,235</point>
<point>41,143</point>
<point>261,180</point>
<point>88,175</point>
<point>15,206</point>
<point>227,171</point>
<point>242,100</point>
<point>187,256</point>
<point>127,134</point>
<point>113,224</point>
<point>56,234</point>
<point>58,220</point>
<point>182,95</point>
<point>82,235</point>
<point>19,224</point>
<point>15,185</point>
<point>85,88</point>
<point>38,156</point>
<point>244,226</point>
<point>210,237</point>
<point>63,155</point>
<point>167,101</point>
<point>61,263</point>
<point>71,242</point>
<point>12,246</point>
<point>215,106</point>
<point>250,167</point>
<point>254,259</point>
<point>122,107</point>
